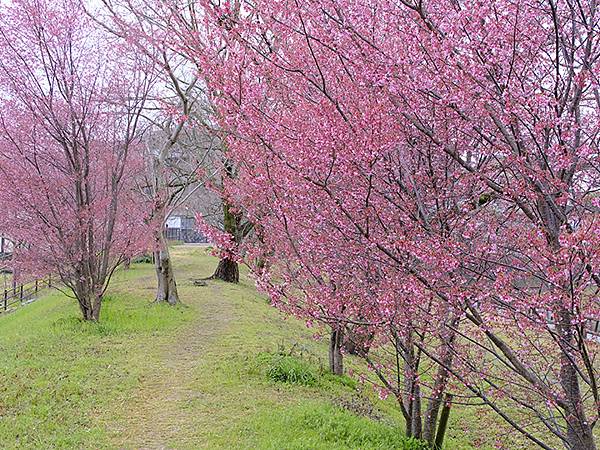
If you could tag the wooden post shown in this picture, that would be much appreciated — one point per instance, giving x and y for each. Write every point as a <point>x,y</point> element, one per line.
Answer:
<point>439,437</point>
<point>50,280</point>
<point>36,286</point>
<point>5,299</point>
<point>21,293</point>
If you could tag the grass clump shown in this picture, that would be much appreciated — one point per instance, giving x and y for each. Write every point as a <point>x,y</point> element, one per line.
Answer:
<point>290,369</point>
<point>318,425</point>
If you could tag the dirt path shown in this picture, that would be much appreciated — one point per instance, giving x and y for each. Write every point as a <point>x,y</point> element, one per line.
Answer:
<point>155,417</point>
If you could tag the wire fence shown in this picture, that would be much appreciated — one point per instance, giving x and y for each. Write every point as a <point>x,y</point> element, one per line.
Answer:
<point>185,235</point>
<point>20,294</point>
<point>14,294</point>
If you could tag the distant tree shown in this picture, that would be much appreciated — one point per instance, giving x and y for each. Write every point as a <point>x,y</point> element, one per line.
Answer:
<point>179,164</point>
<point>160,30</point>
<point>70,104</point>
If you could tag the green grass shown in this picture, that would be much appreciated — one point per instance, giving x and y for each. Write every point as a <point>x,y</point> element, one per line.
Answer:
<point>58,374</point>
<point>320,426</point>
<point>289,369</point>
<point>225,370</point>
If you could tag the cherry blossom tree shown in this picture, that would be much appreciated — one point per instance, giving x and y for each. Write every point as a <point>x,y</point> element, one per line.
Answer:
<point>163,184</point>
<point>452,144</point>
<point>427,170</point>
<point>69,147</point>
<point>164,31</point>
<point>180,163</point>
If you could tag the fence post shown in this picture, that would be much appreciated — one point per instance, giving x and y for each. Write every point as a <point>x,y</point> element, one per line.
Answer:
<point>5,299</point>
<point>50,280</point>
<point>36,286</point>
<point>21,293</point>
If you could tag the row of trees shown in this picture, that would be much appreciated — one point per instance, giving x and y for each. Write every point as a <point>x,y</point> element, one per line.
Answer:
<point>99,142</point>
<point>420,178</point>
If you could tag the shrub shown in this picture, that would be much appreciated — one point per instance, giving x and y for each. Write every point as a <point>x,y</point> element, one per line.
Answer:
<point>143,259</point>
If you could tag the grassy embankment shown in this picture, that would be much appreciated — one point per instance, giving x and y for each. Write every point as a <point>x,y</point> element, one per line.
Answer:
<point>201,375</point>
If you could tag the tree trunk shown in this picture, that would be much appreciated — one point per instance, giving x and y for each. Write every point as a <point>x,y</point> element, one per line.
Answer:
<point>336,358</point>
<point>434,405</point>
<point>412,390</point>
<point>579,431</point>
<point>89,304</point>
<point>439,386</point>
<point>166,290</point>
<point>416,422</point>
<point>356,342</point>
<point>227,270</point>
<point>443,426</point>
<point>95,313</point>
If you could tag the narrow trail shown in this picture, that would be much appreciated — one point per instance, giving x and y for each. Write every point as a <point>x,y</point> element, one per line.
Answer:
<point>156,415</point>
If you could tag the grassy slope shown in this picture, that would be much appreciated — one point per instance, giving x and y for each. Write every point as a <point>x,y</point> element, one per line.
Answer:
<point>151,376</point>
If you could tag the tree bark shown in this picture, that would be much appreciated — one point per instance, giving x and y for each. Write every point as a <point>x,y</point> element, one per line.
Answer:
<point>439,386</point>
<point>336,358</point>
<point>166,290</point>
<point>439,438</point>
<point>89,304</point>
<point>357,343</point>
<point>434,405</point>
<point>412,390</point>
<point>579,431</point>
<point>227,270</point>
<point>416,425</point>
